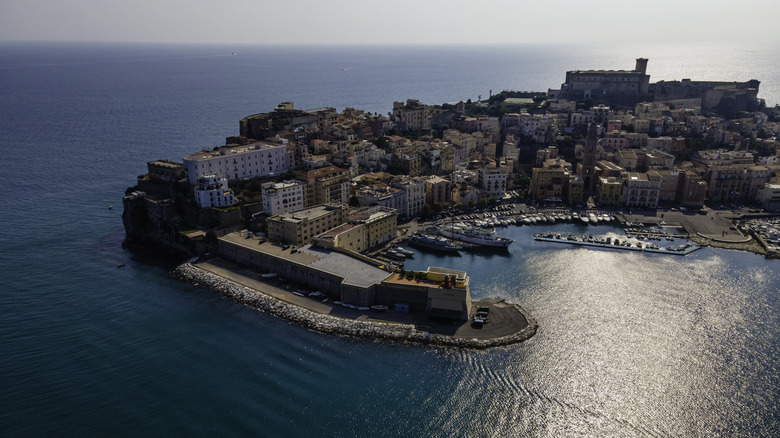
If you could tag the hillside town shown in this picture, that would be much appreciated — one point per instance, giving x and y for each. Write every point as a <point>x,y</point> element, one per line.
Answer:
<point>322,197</point>
<point>605,139</point>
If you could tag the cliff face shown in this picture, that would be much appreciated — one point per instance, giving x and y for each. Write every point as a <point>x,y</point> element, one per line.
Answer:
<point>134,216</point>
<point>153,224</point>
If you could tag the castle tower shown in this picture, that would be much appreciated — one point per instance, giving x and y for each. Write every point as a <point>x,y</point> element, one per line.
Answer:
<point>641,65</point>
<point>587,168</point>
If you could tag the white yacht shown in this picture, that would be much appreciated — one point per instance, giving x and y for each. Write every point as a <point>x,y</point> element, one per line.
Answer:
<point>478,236</point>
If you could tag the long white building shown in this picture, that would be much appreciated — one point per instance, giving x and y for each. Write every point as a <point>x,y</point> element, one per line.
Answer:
<point>247,161</point>
<point>282,197</point>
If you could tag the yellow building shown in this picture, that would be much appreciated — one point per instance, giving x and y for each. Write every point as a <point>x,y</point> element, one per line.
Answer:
<point>437,189</point>
<point>351,237</point>
<point>325,185</point>
<point>574,190</point>
<point>443,292</point>
<point>301,226</point>
<point>407,164</point>
<point>547,183</point>
<point>363,230</point>
<point>608,190</point>
<point>380,223</point>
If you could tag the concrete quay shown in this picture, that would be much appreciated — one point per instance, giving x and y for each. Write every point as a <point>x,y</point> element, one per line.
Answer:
<point>632,246</point>
<point>508,323</point>
<point>715,228</point>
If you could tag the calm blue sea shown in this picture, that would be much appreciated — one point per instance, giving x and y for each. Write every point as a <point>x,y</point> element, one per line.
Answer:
<point>629,344</point>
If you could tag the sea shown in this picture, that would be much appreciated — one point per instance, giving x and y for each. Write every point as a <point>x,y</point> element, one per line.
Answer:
<point>629,344</point>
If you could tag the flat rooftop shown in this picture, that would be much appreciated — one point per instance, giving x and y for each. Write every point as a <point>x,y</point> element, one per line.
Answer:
<point>454,274</point>
<point>519,100</point>
<point>355,272</point>
<point>372,214</point>
<point>166,163</point>
<point>399,279</point>
<point>307,214</point>
<point>332,233</point>
<point>622,72</point>
<point>232,150</point>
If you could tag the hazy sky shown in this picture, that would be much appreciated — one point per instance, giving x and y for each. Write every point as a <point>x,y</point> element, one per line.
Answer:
<point>393,21</point>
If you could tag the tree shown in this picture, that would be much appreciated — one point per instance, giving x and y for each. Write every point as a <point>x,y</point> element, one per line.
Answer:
<point>483,202</point>
<point>255,186</point>
<point>523,181</point>
<point>211,240</point>
<point>426,210</point>
<point>382,143</point>
<point>587,104</point>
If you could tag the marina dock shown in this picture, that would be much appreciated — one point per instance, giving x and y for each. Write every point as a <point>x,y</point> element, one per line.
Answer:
<point>614,243</point>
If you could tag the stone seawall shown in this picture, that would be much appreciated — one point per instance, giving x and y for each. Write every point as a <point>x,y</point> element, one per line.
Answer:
<point>342,326</point>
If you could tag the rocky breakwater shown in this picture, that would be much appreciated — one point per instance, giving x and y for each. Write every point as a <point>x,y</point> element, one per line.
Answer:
<point>343,326</point>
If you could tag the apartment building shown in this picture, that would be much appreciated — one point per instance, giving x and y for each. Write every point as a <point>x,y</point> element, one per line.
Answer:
<point>301,226</point>
<point>640,190</point>
<point>282,197</point>
<point>325,185</point>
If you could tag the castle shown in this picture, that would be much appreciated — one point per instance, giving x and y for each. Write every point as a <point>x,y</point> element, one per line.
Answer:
<point>623,87</point>
<point>626,88</point>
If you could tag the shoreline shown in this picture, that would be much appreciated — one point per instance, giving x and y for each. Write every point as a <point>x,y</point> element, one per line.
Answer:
<point>714,229</point>
<point>343,326</point>
<point>751,245</point>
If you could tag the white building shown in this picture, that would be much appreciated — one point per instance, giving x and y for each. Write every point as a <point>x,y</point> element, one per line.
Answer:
<point>582,119</point>
<point>769,197</point>
<point>493,181</point>
<point>464,176</point>
<point>212,191</point>
<point>282,197</point>
<point>412,196</point>
<point>248,161</point>
<point>370,157</point>
<point>757,177</point>
<point>381,195</point>
<point>661,143</point>
<point>640,189</point>
<point>529,123</point>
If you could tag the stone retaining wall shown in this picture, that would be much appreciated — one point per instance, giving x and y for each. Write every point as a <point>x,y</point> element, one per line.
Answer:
<point>342,326</point>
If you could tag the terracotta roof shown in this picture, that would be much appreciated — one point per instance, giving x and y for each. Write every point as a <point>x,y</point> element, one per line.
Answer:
<point>323,171</point>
